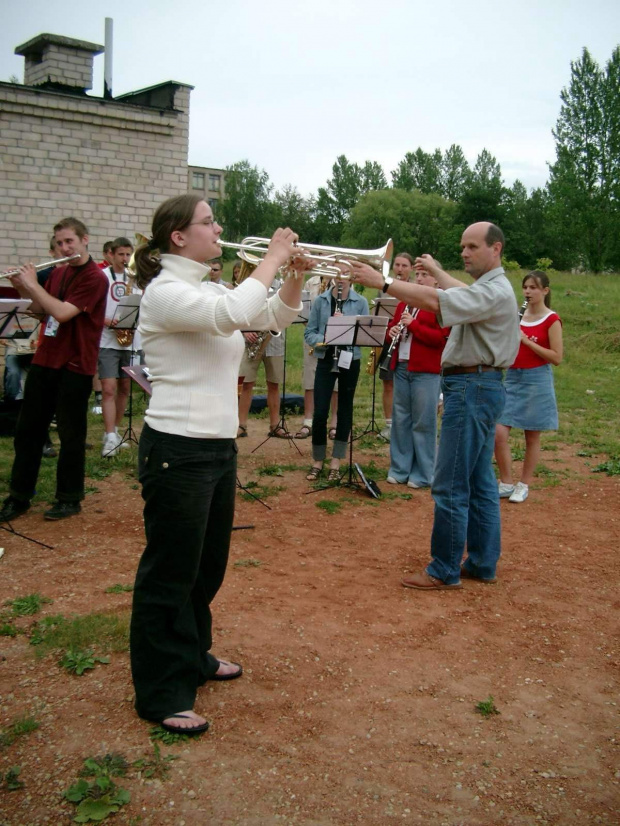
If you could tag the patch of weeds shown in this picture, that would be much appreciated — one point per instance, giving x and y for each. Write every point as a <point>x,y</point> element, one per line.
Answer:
<point>28,605</point>
<point>262,491</point>
<point>105,631</point>
<point>518,454</point>
<point>21,726</point>
<point>247,563</point>
<point>98,798</point>
<point>610,467</point>
<point>45,626</point>
<point>392,494</point>
<point>168,738</point>
<point>156,766</point>
<point>276,470</point>
<point>372,471</point>
<point>486,707</point>
<point>550,477</point>
<point>328,506</point>
<point>549,447</point>
<point>88,489</point>
<point>11,778</point>
<point>78,662</point>
<point>118,589</point>
<point>8,630</point>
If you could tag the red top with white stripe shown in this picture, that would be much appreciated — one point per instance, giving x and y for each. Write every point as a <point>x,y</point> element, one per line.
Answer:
<point>538,332</point>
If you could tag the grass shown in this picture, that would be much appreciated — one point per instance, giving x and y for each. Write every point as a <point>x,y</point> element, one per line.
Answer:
<point>108,632</point>
<point>247,563</point>
<point>19,727</point>
<point>28,605</point>
<point>328,506</point>
<point>486,707</point>
<point>119,589</point>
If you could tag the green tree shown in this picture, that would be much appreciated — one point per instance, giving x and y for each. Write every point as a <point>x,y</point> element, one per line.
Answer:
<point>585,178</point>
<point>246,209</point>
<point>372,177</point>
<point>416,222</point>
<point>337,198</point>
<point>482,198</point>
<point>515,224</point>
<point>291,209</point>
<point>419,170</point>
<point>455,173</point>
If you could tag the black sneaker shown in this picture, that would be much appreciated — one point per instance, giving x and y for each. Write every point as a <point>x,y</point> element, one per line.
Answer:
<point>60,510</point>
<point>12,508</point>
<point>49,451</point>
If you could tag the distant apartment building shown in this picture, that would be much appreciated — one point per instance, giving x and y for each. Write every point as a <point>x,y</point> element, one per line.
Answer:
<point>109,162</point>
<point>207,182</point>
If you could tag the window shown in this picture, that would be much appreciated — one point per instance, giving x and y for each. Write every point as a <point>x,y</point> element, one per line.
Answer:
<point>214,182</point>
<point>198,180</point>
<point>213,202</point>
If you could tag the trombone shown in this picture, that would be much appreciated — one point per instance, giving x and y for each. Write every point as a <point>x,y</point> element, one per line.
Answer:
<point>253,249</point>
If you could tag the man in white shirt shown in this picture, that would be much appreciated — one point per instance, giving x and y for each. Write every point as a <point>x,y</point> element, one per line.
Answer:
<point>114,355</point>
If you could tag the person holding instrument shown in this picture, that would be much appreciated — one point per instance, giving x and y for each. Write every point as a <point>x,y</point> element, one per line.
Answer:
<point>530,395</point>
<point>415,363</point>
<point>484,340</point>
<point>187,455</point>
<point>333,363</point>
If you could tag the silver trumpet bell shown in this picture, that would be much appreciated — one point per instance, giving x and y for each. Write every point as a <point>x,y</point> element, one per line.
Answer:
<point>330,261</point>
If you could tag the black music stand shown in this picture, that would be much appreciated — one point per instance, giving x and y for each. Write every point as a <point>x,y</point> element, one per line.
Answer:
<point>360,331</point>
<point>126,317</point>
<point>16,322</point>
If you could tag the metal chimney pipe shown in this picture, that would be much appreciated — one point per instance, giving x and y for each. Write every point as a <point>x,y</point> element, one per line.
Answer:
<point>107,65</point>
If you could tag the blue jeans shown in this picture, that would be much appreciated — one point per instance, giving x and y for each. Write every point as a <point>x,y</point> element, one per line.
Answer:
<point>413,441</point>
<point>464,488</point>
<point>188,487</point>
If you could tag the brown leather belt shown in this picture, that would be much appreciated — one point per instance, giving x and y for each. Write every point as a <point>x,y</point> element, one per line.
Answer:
<point>474,368</point>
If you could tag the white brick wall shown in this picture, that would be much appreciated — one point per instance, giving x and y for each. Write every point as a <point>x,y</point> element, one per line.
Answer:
<point>108,163</point>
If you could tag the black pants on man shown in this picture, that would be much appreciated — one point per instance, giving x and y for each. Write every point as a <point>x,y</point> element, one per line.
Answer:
<point>50,392</point>
<point>188,487</point>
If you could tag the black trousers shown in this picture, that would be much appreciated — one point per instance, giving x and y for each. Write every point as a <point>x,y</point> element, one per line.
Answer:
<point>188,487</point>
<point>47,392</point>
<point>324,381</point>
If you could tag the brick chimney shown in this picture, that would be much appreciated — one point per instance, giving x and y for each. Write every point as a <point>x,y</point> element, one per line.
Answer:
<point>56,62</point>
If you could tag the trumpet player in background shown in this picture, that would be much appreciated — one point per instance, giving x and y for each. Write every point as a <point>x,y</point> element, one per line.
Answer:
<point>418,341</point>
<point>115,349</point>
<point>341,363</point>
<point>267,350</point>
<point>60,378</point>
<point>187,458</point>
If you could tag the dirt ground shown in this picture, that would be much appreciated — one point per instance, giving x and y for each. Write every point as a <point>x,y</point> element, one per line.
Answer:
<point>357,705</point>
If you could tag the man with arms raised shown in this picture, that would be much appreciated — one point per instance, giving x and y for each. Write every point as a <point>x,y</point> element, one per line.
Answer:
<point>483,341</point>
<point>60,378</point>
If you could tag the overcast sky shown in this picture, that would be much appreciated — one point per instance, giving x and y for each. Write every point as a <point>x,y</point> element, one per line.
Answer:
<point>290,86</point>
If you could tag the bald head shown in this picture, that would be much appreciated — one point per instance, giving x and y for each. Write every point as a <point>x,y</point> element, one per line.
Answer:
<point>482,245</point>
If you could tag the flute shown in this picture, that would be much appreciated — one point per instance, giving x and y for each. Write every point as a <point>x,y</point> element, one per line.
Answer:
<point>56,262</point>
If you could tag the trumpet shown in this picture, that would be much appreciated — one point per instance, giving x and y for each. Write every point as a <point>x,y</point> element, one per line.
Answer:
<point>253,249</point>
<point>55,263</point>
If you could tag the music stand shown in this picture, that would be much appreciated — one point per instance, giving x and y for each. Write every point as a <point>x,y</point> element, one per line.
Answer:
<point>15,320</point>
<point>126,316</point>
<point>360,331</point>
<point>383,306</point>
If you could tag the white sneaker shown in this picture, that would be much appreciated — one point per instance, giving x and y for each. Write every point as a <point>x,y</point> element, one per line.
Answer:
<point>392,481</point>
<point>121,444</point>
<point>505,490</point>
<point>521,493</point>
<point>386,433</point>
<point>111,444</point>
<point>413,485</point>
<point>97,409</point>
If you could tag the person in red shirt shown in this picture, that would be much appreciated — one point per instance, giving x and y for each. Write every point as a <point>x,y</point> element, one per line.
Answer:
<point>60,378</point>
<point>416,365</point>
<point>530,395</point>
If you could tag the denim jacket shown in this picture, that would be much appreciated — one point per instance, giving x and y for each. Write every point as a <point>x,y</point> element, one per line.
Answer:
<point>320,313</point>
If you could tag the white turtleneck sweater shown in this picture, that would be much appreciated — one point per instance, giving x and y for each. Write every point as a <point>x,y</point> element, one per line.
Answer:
<point>193,347</point>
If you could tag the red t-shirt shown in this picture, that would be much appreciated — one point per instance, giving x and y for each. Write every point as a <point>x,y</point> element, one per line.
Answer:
<point>76,343</point>
<point>538,332</point>
<point>428,340</point>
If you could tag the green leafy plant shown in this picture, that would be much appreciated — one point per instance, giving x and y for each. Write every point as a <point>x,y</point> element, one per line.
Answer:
<point>118,589</point>
<point>328,506</point>
<point>168,738</point>
<point>80,661</point>
<point>98,798</point>
<point>44,626</point>
<point>543,264</point>
<point>610,467</point>
<point>112,764</point>
<point>247,563</point>
<point>13,783</point>
<point>21,726</point>
<point>486,707</point>
<point>156,766</point>
<point>8,630</point>
<point>28,605</point>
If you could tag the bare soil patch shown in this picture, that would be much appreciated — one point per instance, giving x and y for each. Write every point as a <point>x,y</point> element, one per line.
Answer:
<point>357,705</point>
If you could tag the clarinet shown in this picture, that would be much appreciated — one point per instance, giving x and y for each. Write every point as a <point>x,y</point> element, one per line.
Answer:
<point>384,367</point>
<point>523,308</point>
<point>338,311</point>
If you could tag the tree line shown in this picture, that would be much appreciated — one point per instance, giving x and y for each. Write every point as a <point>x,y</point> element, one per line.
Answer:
<point>574,220</point>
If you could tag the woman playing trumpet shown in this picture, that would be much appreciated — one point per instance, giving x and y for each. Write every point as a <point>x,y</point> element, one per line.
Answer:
<point>187,455</point>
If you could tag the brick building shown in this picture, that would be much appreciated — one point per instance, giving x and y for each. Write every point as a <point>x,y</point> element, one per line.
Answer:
<point>210,183</point>
<point>109,162</point>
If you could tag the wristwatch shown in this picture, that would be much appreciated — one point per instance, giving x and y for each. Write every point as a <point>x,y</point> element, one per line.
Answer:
<point>387,280</point>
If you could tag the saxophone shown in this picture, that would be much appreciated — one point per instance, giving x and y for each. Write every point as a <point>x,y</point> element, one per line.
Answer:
<point>125,337</point>
<point>253,351</point>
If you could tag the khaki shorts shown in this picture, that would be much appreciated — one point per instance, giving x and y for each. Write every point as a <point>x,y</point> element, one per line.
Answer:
<point>274,368</point>
<point>310,363</point>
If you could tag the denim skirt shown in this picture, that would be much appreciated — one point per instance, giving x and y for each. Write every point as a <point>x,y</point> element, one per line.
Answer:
<point>530,399</point>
